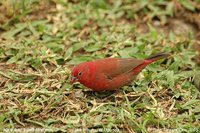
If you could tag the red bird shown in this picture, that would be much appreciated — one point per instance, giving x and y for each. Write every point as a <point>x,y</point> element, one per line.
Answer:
<point>111,73</point>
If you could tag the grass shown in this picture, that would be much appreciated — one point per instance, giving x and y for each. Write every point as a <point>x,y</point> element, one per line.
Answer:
<point>40,41</point>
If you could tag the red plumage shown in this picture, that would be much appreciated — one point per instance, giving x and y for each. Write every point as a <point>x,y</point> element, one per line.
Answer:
<point>110,73</point>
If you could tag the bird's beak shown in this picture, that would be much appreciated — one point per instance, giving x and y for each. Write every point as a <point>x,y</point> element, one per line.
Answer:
<point>73,80</point>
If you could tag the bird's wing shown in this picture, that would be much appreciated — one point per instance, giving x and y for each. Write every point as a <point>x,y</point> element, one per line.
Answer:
<point>122,65</point>
<point>127,64</point>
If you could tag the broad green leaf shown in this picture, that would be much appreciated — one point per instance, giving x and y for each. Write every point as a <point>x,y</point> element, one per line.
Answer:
<point>13,59</point>
<point>35,62</point>
<point>197,81</point>
<point>56,47</point>
<point>187,4</point>
<point>128,52</point>
<point>100,4</point>
<point>80,59</point>
<point>93,48</point>
<point>170,8</point>
<point>68,53</point>
<point>79,45</point>
<point>190,103</point>
<point>11,33</point>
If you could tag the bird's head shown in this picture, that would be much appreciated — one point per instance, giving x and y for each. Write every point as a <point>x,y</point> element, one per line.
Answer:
<point>80,73</point>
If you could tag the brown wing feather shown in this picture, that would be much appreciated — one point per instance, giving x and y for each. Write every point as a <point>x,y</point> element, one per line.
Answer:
<point>125,65</point>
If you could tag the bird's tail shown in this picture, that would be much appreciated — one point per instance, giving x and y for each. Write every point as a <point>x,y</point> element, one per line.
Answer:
<point>150,60</point>
<point>157,56</point>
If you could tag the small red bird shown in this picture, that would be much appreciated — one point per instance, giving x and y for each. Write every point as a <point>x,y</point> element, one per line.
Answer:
<point>111,73</point>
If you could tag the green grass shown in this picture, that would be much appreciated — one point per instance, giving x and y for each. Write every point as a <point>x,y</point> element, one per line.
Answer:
<point>41,41</point>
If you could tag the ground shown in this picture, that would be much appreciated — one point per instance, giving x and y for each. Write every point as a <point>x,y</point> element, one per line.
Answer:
<point>41,41</point>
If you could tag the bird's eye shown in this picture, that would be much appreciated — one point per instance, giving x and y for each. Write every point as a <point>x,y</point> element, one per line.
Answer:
<point>79,74</point>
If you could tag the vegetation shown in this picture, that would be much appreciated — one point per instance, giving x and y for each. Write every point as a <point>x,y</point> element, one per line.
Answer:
<point>40,41</point>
